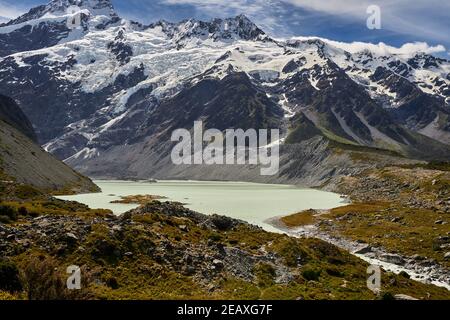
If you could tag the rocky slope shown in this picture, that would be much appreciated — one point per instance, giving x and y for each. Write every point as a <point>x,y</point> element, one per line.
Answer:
<point>23,161</point>
<point>110,92</point>
<point>398,215</point>
<point>164,251</point>
<point>11,114</point>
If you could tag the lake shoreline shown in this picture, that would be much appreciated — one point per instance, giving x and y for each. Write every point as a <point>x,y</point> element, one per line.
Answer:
<point>398,218</point>
<point>434,275</point>
<point>249,201</point>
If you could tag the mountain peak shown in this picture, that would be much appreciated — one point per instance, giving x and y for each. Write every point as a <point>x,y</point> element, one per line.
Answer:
<point>244,19</point>
<point>60,8</point>
<point>62,5</point>
<point>240,26</point>
<point>229,29</point>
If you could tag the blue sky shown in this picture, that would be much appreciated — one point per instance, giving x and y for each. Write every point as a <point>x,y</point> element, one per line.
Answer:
<point>342,20</point>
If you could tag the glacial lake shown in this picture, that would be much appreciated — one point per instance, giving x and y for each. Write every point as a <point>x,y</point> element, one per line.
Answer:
<point>251,202</point>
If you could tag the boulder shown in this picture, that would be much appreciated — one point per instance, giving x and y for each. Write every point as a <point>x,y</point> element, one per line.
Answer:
<point>418,257</point>
<point>396,219</point>
<point>70,237</point>
<point>393,258</point>
<point>222,223</point>
<point>404,297</point>
<point>364,250</point>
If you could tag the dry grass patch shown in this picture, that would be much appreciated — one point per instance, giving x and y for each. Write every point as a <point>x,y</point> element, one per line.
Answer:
<point>403,230</point>
<point>299,219</point>
<point>138,199</point>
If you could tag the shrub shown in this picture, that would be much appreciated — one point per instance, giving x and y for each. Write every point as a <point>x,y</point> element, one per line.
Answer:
<point>5,219</point>
<point>45,279</point>
<point>404,274</point>
<point>105,250</point>
<point>265,274</point>
<point>334,272</point>
<point>311,274</point>
<point>9,277</point>
<point>387,296</point>
<point>23,211</point>
<point>291,251</point>
<point>33,214</point>
<point>215,237</point>
<point>27,192</point>
<point>112,283</point>
<point>8,212</point>
<point>42,280</point>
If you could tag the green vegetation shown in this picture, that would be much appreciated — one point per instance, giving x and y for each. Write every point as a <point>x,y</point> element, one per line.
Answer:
<point>138,199</point>
<point>12,211</point>
<point>403,209</point>
<point>363,153</point>
<point>265,275</point>
<point>161,252</point>
<point>433,165</point>
<point>9,277</point>
<point>404,230</point>
<point>25,192</point>
<point>302,129</point>
<point>311,274</point>
<point>299,219</point>
<point>140,262</point>
<point>7,214</point>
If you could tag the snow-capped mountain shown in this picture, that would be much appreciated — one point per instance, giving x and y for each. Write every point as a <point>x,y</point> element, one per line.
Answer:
<point>46,25</point>
<point>110,91</point>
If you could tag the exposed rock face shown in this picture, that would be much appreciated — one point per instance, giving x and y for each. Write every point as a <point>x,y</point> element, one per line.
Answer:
<point>393,258</point>
<point>25,161</point>
<point>112,91</point>
<point>11,114</point>
<point>409,187</point>
<point>204,254</point>
<point>46,25</point>
<point>231,29</point>
<point>61,235</point>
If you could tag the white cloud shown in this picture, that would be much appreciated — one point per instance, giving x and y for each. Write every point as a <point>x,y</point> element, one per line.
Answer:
<point>423,18</point>
<point>353,7</point>
<point>406,50</point>
<point>426,19</point>
<point>220,7</point>
<point>264,13</point>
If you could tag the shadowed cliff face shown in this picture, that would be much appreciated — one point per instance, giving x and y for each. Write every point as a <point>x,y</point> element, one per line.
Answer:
<point>25,162</point>
<point>11,113</point>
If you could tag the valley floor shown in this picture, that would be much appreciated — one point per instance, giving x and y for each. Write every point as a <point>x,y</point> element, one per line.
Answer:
<point>164,251</point>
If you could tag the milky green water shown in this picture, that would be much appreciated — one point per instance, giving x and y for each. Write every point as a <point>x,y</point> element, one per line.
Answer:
<point>251,202</point>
